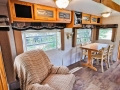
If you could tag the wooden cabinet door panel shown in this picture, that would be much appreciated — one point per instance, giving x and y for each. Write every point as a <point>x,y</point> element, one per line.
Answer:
<point>94,19</point>
<point>86,18</point>
<point>63,15</point>
<point>44,13</point>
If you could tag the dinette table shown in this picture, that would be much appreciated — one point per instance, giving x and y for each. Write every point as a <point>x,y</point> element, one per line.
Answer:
<point>92,47</point>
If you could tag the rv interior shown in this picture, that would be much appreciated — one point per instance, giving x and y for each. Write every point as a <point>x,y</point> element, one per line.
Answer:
<point>59,44</point>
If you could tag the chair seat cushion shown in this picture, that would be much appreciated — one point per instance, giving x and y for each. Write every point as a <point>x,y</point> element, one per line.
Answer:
<point>60,82</point>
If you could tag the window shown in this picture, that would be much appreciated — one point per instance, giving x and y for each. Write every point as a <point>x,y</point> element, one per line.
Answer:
<point>45,40</point>
<point>105,33</point>
<point>83,35</point>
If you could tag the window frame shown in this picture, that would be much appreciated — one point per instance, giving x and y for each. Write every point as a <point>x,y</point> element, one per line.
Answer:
<point>114,30</point>
<point>43,31</point>
<point>84,37</point>
<point>104,29</point>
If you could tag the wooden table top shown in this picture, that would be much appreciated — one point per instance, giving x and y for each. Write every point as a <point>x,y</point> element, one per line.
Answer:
<point>94,46</point>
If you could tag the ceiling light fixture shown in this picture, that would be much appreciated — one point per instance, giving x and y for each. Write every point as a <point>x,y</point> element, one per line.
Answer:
<point>62,3</point>
<point>106,14</point>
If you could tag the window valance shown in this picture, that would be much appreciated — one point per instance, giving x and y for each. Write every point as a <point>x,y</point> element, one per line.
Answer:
<point>107,26</point>
<point>37,26</point>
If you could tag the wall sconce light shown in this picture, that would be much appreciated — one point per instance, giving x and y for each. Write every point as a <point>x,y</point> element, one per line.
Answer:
<point>69,34</point>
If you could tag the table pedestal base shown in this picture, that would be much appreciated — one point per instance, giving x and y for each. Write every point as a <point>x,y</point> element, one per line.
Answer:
<point>90,66</point>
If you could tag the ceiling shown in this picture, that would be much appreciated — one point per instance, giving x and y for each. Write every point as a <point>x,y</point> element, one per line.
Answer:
<point>86,6</point>
<point>116,1</point>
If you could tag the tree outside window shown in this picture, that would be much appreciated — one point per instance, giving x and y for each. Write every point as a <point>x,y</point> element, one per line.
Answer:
<point>105,33</point>
<point>83,35</point>
<point>41,40</point>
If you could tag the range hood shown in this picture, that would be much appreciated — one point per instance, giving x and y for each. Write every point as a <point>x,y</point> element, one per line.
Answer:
<point>4,23</point>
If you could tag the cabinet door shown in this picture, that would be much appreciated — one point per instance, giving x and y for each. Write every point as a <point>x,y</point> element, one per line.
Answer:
<point>63,15</point>
<point>77,18</point>
<point>94,19</point>
<point>86,18</point>
<point>2,73</point>
<point>44,13</point>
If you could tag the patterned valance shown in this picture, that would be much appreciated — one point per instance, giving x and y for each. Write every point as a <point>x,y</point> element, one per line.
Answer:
<point>87,26</point>
<point>107,26</point>
<point>37,26</point>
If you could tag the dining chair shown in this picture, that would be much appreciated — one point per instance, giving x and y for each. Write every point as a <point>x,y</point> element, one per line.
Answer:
<point>102,55</point>
<point>88,42</point>
<point>85,52</point>
<point>110,55</point>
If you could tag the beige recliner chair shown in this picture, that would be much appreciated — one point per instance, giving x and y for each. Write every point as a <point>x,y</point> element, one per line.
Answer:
<point>36,72</point>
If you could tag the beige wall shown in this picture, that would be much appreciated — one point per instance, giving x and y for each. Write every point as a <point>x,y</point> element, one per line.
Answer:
<point>69,56</point>
<point>113,20</point>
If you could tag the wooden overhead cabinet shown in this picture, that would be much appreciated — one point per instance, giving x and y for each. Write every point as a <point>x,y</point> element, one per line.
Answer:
<point>76,21</point>
<point>63,15</point>
<point>44,13</point>
<point>86,18</point>
<point>95,19</point>
<point>3,81</point>
<point>20,11</point>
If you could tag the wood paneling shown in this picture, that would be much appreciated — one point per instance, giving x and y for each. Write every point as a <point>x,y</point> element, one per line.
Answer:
<point>119,51</point>
<point>114,30</point>
<point>3,80</point>
<point>62,40</point>
<point>18,42</point>
<point>74,38</point>
<point>97,34</point>
<point>1,86</point>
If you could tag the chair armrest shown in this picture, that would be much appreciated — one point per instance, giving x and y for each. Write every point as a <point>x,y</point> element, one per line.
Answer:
<point>59,70</point>
<point>37,86</point>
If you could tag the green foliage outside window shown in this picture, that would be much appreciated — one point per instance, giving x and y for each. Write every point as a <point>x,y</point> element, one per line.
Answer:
<point>83,35</point>
<point>42,40</point>
<point>105,33</point>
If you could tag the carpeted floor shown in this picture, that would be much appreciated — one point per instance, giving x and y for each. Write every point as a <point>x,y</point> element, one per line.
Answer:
<point>88,79</point>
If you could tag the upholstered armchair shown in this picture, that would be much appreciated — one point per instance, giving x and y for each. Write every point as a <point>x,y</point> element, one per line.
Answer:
<point>36,72</point>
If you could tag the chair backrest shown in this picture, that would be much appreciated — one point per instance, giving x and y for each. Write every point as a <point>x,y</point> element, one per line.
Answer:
<point>33,66</point>
<point>83,50</point>
<point>88,42</point>
<point>110,49</point>
<point>104,51</point>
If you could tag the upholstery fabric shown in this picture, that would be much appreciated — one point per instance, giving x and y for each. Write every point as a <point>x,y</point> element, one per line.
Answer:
<point>36,72</point>
<point>63,81</point>
<point>59,70</point>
